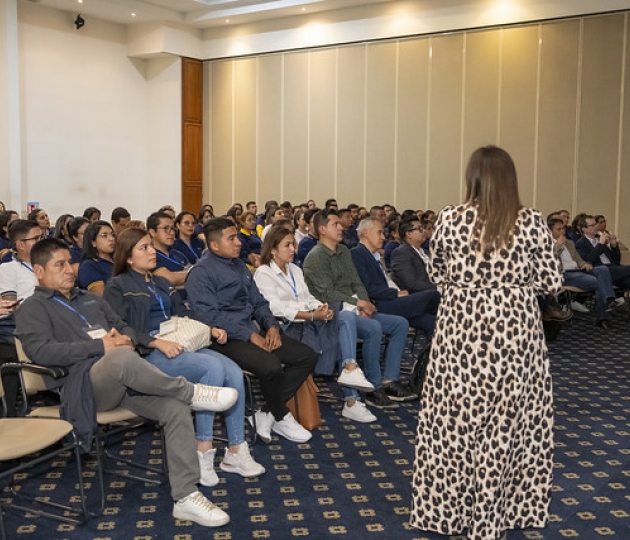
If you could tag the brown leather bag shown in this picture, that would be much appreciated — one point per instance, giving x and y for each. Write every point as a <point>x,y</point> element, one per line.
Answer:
<point>304,405</point>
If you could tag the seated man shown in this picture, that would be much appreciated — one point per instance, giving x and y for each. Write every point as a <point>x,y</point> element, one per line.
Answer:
<point>332,277</point>
<point>171,263</point>
<point>61,325</point>
<point>578,273</point>
<point>418,308</point>
<point>222,292</point>
<point>349,236</point>
<point>599,248</point>
<point>409,260</point>
<point>17,282</point>
<point>309,241</point>
<point>119,219</point>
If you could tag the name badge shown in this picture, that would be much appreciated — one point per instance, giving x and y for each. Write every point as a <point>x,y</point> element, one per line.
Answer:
<point>167,327</point>
<point>96,332</point>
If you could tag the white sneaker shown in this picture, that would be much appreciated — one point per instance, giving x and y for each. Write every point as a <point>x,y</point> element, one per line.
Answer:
<point>241,462</point>
<point>197,508</point>
<point>213,398</point>
<point>290,429</point>
<point>209,476</point>
<point>264,421</point>
<point>358,412</point>
<point>579,307</point>
<point>355,378</point>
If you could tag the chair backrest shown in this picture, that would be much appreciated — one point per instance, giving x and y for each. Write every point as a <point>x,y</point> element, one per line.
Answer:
<point>33,382</point>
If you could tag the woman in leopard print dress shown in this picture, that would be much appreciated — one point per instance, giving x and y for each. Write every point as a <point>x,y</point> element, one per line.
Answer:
<point>485,449</point>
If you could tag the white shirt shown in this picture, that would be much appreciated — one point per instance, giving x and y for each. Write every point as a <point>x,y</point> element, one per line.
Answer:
<point>603,257</point>
<point>17,277</point>
<point>568,263</point>
<point>286,293</point>
<point>423,254</point>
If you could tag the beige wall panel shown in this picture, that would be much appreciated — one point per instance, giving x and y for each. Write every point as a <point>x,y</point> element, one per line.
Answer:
<point>350,125</point>
<point>244,130</point>
<point>295,126</point>
<point>269,128</point>
<point>381,123</point>
<point>445,174</point>
<point>557,116</point>
<point>221,162</point>
<point>601,84</point>
<point>323,89</point>
<point>481,89</point>
<point>619,222</point>
<point>413,91</point>
<point>518,104</point>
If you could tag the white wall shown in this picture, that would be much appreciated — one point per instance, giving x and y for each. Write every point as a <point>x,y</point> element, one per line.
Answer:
<point>98,127</point>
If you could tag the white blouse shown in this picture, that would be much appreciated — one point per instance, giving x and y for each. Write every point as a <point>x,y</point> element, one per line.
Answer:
<point>286,293</point>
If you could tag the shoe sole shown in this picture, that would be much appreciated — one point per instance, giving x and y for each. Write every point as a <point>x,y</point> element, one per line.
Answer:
<point>292,439</point>
<point>204,484</point>
<point>216,406</point>
<point>240,471</point>
<point>360,420</point>
<point>195,519</point>
<point>357,387</point>
<point>405,398</point>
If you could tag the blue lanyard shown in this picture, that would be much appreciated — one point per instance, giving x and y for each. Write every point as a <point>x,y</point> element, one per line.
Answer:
<point>74,310</point>
<point>293,286</point>
<point>158,297</point>
<point>170,259</point>
<point>25,265</point>
<point>192,251</point>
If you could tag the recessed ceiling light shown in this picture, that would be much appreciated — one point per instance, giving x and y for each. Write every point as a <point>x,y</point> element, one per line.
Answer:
<point>227,21</point>
<point>303,9</point>
<point>133,14</point>
<point>80,1</point>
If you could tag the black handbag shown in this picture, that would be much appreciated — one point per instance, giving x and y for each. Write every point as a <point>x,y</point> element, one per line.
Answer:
<point>419,371</point>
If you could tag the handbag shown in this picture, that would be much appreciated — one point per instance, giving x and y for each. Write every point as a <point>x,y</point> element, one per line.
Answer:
<point>304,405</point>
<point>419,372</point>
<point>189,333</point>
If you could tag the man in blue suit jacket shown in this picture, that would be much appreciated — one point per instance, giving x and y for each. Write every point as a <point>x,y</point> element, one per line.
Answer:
<point>602,249</point>
<point>418,308</point>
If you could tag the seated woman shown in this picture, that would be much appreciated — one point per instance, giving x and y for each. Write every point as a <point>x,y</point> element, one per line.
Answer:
<point>187,241</point>
<point>61,228</point>
<point>282,283</point>
<point>76,230</point>
<point>99,243</point>
<point>206,213</point>
<point>40,215</point>
<point>92,214</point>
<point>274,214</point>
<point>250,242</point>
<point>6,218</point>
<point>145,301</point>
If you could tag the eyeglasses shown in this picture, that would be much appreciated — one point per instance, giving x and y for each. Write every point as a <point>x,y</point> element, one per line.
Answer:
<point>419,229</point>
<point>167,230</point>
<point>591,224</point>
<point>34,238</point>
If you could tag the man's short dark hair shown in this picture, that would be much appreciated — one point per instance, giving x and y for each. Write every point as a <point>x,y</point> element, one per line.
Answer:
<point>552,222</point>
<point>19,229</point>
<point>406,225</point>
<point>375,208</point>
<point>330,202</point>
<point>343,211</point>
<point>308,215</point>
<point>321,219</point>
<point>353,206</point>
<point>119,213</point>
<point>213,230</point>
<point>44,250</point>
<point>153,221</point>
<point>75,224</point>
<point>581,222</point>
<point>250,203</point>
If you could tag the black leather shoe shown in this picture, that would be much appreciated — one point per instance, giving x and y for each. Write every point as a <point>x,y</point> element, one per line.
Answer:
<point>603,324</point>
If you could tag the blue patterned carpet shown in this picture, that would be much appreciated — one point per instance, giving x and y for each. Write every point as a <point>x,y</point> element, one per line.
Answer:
<point>353,481</point>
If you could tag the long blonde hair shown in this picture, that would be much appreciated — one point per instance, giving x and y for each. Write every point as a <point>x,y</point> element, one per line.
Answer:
<point>492,187</point>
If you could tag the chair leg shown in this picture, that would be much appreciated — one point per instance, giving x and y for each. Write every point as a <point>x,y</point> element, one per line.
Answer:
<point>249,398</point>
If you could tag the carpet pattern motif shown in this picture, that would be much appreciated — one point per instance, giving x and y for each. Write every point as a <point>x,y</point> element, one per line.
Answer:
<point>353,480</point>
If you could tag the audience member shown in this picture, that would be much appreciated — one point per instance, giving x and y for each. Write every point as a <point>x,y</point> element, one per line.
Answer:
<point>40,215</point>
<point>92,213</point>
<point>99,243</point>
<point>331,277</point>
<point>119,219</point>
<point>601,227</point>
<point>310,240</point>
<point>172,264</point>
<point>301,225</point>
<point>250,243</point>
<point>61,325</point>
<point>147,303</point>
<point>393,240</point>
<point>187,241</point>
<point>223,293</point>
<point>349,236</point>
<point>408,262</point>
<point>76,230</point>
<point>61,228</point>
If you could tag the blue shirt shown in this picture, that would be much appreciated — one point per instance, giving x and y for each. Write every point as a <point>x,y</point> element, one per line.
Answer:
<point>94,272</point>
<point>193,251</point>
<point>388,250</point>
<point>222,293</point>
<point>306,244</point>
<point>250,243</point>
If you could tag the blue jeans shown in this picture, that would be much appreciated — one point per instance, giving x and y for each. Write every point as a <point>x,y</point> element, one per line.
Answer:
<point>371,330</point>
<point>214,369</point>
<point>598,280</point>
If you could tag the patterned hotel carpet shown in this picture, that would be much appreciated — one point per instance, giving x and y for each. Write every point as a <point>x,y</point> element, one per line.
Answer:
<point>353,481</point>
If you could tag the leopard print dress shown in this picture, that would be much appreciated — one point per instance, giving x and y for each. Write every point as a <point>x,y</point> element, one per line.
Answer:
<point>485,445</point>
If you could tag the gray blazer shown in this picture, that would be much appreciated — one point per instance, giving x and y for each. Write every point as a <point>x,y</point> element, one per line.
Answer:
<point>408,270</point>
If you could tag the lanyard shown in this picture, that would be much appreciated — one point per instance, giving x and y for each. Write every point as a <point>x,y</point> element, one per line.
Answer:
<point>158,297</point>
<point>74,310</point>
<point>170,259</point>
<point>292,285</point>
<point>25,265</point>
<point>192,251</point>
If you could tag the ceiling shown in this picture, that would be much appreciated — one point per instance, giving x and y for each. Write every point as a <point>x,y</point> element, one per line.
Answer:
<point>198,13</point>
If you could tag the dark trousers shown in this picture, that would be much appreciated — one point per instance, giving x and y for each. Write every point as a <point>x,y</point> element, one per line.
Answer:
<point>10,381</point>
<point>620,275</point>
<point>277,383</point>
<point>418,308</point>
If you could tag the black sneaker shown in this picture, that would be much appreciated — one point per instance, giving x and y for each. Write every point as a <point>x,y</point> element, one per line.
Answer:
<point>397,392</point>
<point>380,400</point>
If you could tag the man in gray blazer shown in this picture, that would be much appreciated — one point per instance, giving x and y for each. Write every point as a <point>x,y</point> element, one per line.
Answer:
<point>408,264</point>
